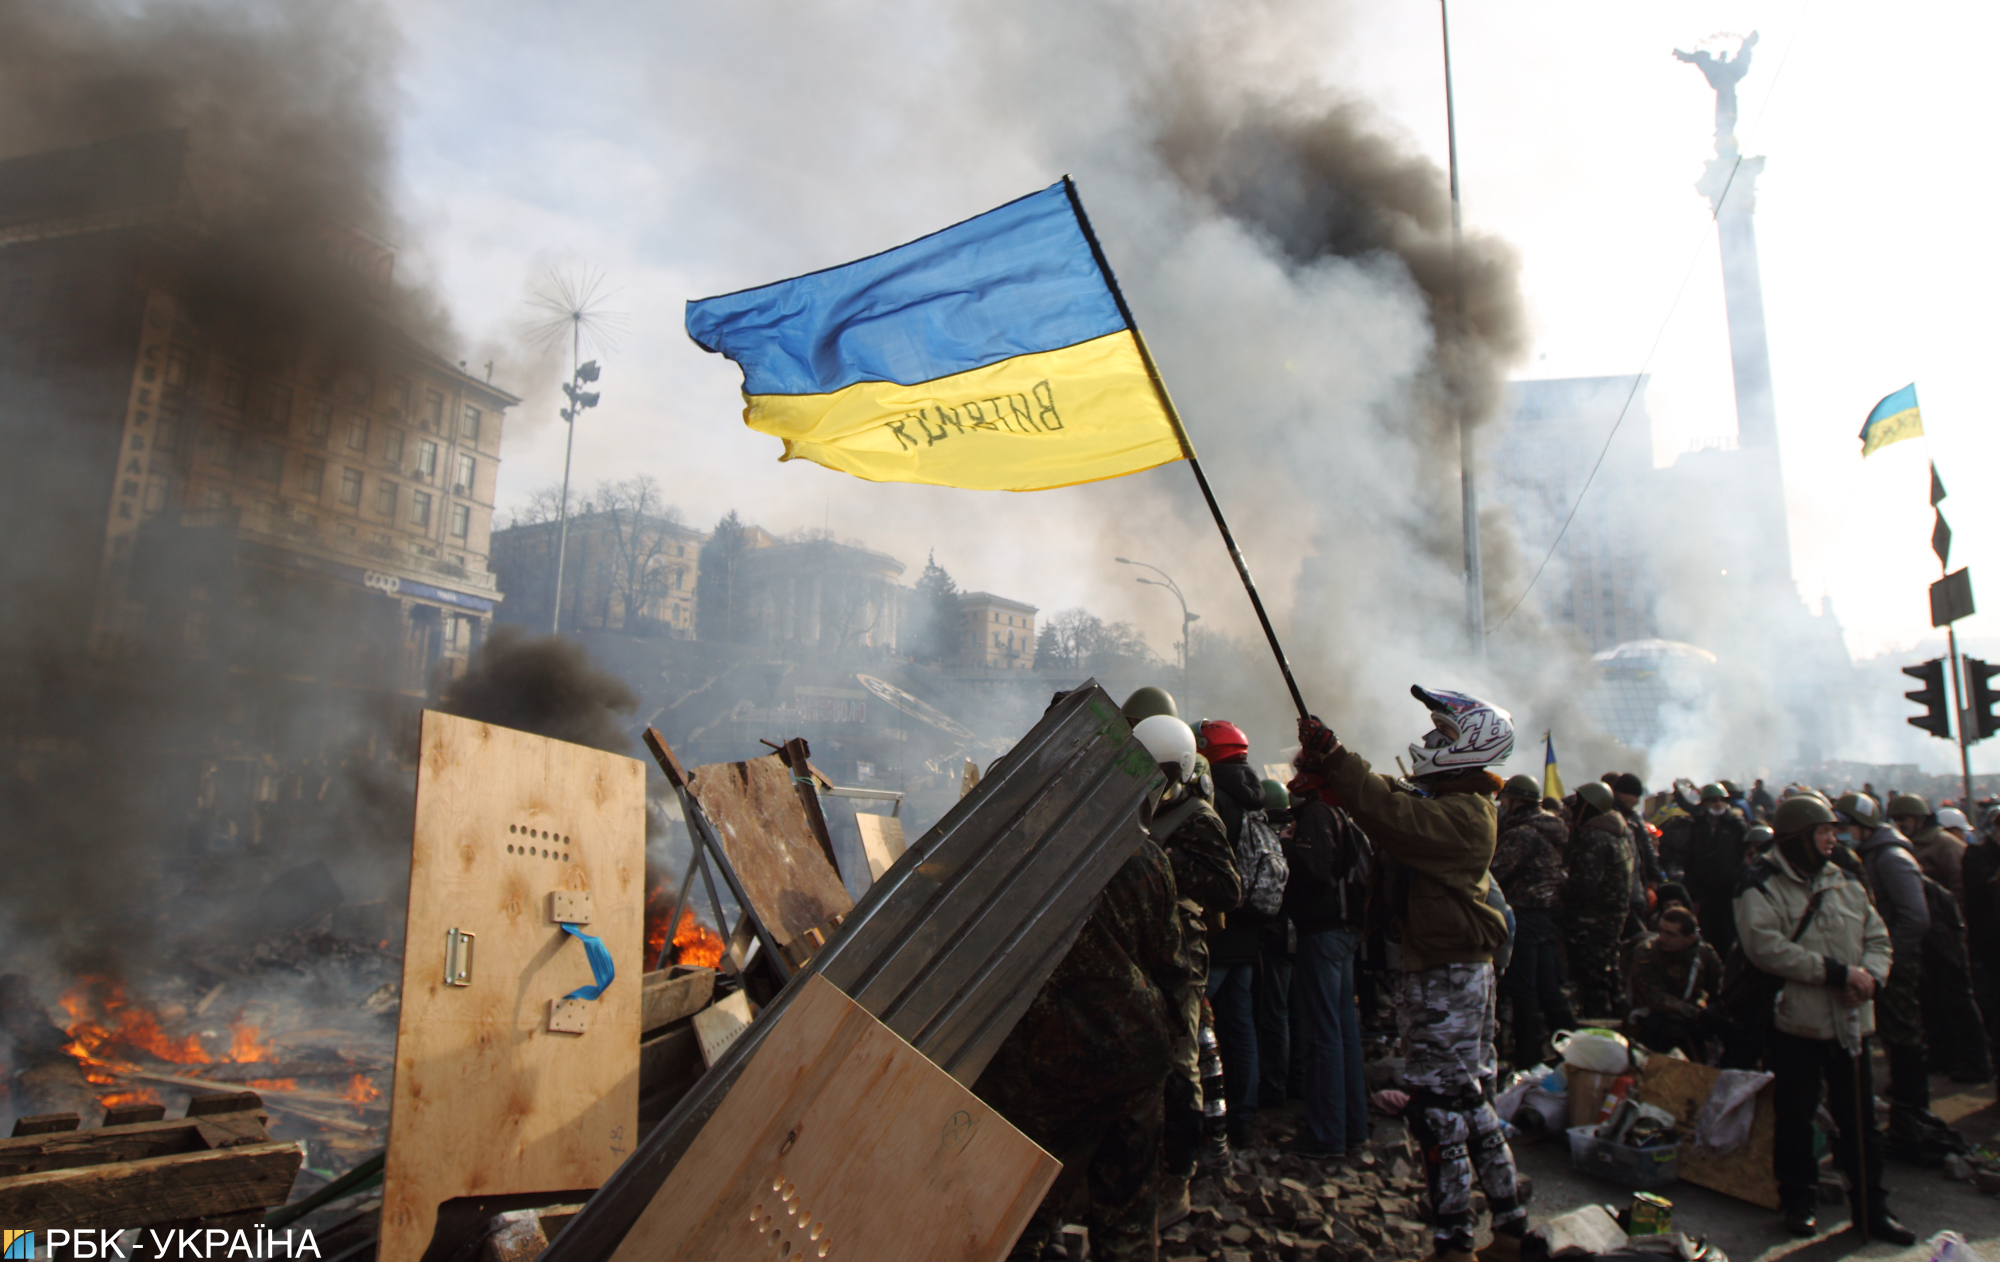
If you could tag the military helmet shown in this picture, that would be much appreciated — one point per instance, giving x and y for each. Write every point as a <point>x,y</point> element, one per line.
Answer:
<point>1714,792</point>
<point>1276,796</point>
<point>1146,702</point>
<point>1597,794</point>
<point>1804,813</point>
<point>1908,804</point>
<point>1523,786</point>
<point>1759,835</point>
<point>1858,808</point>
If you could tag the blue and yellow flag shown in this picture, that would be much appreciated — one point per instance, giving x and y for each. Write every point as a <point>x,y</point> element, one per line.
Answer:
<point>1894,419</point>
<point>1552,781</point>
<point>996,354</point>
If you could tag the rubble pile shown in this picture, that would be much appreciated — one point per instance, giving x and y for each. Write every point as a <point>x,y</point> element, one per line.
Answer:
<point>1272,1206</point>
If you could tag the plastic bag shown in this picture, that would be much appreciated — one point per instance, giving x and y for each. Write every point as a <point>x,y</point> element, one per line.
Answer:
<point>1599,1051</point>
<point>1949,1246</point>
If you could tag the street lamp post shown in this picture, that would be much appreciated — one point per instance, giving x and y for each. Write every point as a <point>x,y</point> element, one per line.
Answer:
<point>1187,619</point>
<point>579,399</point>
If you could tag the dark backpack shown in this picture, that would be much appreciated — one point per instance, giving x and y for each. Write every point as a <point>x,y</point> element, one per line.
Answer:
<point>1335,856</point>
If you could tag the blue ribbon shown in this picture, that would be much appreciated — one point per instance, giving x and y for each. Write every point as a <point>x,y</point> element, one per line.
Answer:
<point>600,964</point>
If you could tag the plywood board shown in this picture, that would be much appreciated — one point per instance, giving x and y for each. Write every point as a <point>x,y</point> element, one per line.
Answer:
<point>722,1023</point>
<point>771,843</point>
<point>487,1100</point>
<point>881,841</point>
<point>1681,1088</point>
<point>839,1140</point>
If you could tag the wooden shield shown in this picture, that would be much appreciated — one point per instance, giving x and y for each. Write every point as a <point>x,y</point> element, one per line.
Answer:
<point>488,1099</point>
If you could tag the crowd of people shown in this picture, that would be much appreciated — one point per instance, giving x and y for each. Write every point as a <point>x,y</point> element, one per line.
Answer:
<point>1231,961</point>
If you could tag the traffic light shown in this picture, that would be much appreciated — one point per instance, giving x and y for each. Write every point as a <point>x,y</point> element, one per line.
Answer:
<point>1981,697</point>
<point>1936,718</point>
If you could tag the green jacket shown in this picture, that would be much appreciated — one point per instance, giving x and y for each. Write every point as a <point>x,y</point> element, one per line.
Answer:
<point>1444,845</point>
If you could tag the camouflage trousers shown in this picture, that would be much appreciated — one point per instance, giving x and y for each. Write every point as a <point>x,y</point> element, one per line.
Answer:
<point>1185,1108</point>
<point>1112,1148</point>
<point>1446,1018</point>
<point>1593,965</point>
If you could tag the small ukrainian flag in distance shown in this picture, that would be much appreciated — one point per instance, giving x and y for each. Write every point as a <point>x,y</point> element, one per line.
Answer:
<point>996,354</point>
<point>1552,780</point>
<point>1894,419</point>
<point>18,1244</point>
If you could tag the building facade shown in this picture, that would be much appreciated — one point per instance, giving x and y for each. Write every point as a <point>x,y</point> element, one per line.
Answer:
<point>999,633</point>
<point>818,596</point>
<point>623,570</point>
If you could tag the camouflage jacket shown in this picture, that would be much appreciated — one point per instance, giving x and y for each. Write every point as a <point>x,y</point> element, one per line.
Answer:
<point>1660,982</point>
<point>1198,846</point>
<point>1106,1022</point>
<point>1600,869</point>
<point>1528,861</point>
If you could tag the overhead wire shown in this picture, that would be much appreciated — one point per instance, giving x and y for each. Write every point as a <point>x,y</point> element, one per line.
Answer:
<point>1638,378</point>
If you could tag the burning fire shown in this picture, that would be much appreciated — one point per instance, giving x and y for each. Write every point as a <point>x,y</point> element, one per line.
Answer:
<point>698,944</point>
<point>360,1090</point>
<point>103,1022</point>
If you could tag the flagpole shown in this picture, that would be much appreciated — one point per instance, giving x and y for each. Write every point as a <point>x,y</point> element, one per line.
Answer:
<point>1187,448</point>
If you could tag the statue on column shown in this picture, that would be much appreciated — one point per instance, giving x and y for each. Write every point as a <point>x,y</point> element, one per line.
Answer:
<point>1723,72</point>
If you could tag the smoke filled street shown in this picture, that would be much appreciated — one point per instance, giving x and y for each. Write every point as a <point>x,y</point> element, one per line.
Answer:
<point>1070,630</point>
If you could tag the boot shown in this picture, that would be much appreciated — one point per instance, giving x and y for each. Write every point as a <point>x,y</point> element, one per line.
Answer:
<point>1882,1225</point>
<point>1800,1220</point>
<point>1175,1203</point>
<point>1505,1248</point>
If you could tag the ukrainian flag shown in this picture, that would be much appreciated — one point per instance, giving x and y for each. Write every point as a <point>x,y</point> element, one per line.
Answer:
<point>1894,419</point>
<point>1552,780</point>
<point>996,354</point>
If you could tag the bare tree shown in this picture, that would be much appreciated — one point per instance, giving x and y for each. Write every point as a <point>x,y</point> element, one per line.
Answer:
<point>638,528</point>
<point>542,506</point>
<point>1076,639</point>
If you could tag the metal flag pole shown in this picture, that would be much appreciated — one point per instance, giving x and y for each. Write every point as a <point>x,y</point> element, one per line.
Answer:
<point>1187,448</point>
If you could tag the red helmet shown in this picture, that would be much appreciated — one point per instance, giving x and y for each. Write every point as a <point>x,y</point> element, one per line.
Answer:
<point>1221,740</point>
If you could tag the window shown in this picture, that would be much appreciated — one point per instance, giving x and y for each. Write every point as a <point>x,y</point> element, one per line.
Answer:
<point>319,422</point>
<point>385,498</point>
<point>350,487</point>
<point>433,416</point>
<point>312,475</point>
<point>392,447</point>
<point>180,366</point>
<point>277,405</point>
<point>357,432</point>
<point>469,432</point>
<point>266,460</point>
<point>396,397</point>
<point>353,386</point>
<point>420,508</point>
<point>467,467</point>
<point>427,459</point>
<point>228,446</point>
<point>461,521</point>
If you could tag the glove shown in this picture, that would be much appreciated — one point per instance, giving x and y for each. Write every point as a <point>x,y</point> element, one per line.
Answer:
<point>1316,738</point>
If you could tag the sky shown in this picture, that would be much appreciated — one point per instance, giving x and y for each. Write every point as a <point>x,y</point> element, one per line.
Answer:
<point>681,150</point>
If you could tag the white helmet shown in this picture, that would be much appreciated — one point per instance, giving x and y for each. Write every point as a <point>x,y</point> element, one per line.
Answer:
<point>1170,742</point>
<point>1468,734</point>
<point>1952,817</point>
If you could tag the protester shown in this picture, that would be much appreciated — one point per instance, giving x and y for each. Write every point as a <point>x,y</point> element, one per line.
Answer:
<point>1674,977</point>
<point>1594,900</point>
<point>1234,948</point>
<point>1528,864</point>
<point>1327,900</point>
<point>1940,849</point>
<point>1628,790</point>
<point>1206,880</point>
<point>1716,844</point>
<point>1897,885</point>
<point>1980,874</point>
<point>1806,921</point>
<point>1436,841</point>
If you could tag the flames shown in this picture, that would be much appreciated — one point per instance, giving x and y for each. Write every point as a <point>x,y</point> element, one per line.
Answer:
<point>698,945</point>
<point>360,1090</point>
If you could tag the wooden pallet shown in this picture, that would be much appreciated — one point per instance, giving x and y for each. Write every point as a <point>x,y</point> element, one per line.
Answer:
<point>142,1170</point>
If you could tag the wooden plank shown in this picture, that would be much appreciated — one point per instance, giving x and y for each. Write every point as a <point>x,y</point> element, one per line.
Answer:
<point>149,1193</point>
<point>129,1114</point>
<point>770,842</point>
<point>881,841</point>
<point>64,1149</point>
<point>46,1123</point>
<point>1681,1088</point>
<point>833,1109</point>
<point>213,1102</point>
<point>721,1024</point>
<point>670,994</point>
<point>487,1101</point>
